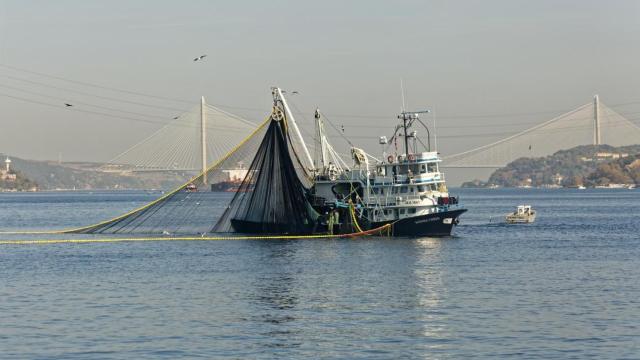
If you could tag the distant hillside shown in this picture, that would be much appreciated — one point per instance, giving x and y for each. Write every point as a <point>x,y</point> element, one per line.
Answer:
<point>583,165</point>
<point>50,175</point>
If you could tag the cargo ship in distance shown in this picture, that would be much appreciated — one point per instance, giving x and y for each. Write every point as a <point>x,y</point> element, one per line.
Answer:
<point>233,181</point>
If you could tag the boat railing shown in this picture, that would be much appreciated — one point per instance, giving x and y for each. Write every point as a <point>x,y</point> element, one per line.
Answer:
<point>400,200</point>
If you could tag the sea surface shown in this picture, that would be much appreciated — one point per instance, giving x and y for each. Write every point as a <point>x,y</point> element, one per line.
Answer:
<point>567,286</point>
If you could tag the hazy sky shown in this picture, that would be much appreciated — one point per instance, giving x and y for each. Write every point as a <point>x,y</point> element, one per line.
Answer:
<point>468,60</point>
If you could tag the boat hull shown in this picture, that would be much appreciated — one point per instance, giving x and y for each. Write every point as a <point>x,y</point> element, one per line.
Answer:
<point>430,225</point>
<point>511,219</point>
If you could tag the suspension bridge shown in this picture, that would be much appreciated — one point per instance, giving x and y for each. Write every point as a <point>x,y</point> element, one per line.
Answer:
<point>593,123</point>
<point>206,133</point>
<point>186,144</point>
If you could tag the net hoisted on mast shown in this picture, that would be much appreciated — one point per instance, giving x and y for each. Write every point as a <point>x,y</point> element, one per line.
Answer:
<point>273,197</point>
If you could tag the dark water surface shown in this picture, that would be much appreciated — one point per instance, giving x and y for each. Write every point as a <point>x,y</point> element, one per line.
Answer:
<point>567,286</point>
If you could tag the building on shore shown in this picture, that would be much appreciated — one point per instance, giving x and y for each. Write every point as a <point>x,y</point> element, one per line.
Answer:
<point>6,174</point>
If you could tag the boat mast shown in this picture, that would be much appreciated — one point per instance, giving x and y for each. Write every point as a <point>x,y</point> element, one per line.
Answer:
<point>278,92</point>
<point>406,139</point>
<point>407,120</point>
<point>321,140</point>
<point>203,140</point>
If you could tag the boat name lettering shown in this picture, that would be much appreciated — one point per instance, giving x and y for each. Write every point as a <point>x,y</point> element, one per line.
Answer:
<point>427,220</point>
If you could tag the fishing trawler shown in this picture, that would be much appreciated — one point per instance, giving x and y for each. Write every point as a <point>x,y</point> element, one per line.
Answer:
<point>286,191</point>
<point>524,214</point>
<point>407,190</point>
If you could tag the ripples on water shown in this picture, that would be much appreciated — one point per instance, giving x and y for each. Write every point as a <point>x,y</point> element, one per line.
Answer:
<point>566,286</point>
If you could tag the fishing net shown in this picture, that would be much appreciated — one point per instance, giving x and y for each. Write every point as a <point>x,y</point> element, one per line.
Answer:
<point>273,196</point>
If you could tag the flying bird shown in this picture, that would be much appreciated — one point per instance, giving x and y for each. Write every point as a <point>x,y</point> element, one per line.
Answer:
<point>295,92</point>
<point>175,118</point>
<point>68,105</point>
<point>200,57</point>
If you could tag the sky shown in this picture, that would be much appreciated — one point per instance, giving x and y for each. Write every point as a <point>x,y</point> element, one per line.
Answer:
<point>485,68</point>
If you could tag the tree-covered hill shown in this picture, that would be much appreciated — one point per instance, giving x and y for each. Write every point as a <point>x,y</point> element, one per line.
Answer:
<point>50,175</point>
<point>588,165</point>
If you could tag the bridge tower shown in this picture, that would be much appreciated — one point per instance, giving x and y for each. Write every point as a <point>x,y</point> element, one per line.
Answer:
<point>596,120</point>
<point>203,139</point>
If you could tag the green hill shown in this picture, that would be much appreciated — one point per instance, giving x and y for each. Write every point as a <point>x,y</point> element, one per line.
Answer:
<point>588,165</point>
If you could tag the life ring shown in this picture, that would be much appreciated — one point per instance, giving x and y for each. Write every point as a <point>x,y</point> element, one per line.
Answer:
<point>412,157</point>
<point>390,158</point>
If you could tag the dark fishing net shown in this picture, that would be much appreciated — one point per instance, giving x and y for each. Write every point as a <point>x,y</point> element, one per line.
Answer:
<point>273,196</point>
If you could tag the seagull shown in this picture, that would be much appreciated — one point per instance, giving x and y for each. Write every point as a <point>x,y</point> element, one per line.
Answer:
<point>295,92</point>
<point>68,105</point>
<point>200,57</point>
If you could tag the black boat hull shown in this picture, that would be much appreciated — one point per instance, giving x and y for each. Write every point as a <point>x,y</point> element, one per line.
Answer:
<point>430,225</point>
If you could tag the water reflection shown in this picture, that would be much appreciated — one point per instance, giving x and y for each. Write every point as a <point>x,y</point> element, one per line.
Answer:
<point>432,291</point>
<point>275,294</point>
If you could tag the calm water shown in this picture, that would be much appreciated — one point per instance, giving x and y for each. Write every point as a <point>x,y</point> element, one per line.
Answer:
<point>567,286</point>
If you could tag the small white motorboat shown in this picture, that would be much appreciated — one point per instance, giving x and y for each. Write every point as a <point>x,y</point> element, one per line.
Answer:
<point>524,214</point>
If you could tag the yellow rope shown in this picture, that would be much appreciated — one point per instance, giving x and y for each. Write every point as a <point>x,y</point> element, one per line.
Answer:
<point>353,216</point>
<point>379,230</point>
